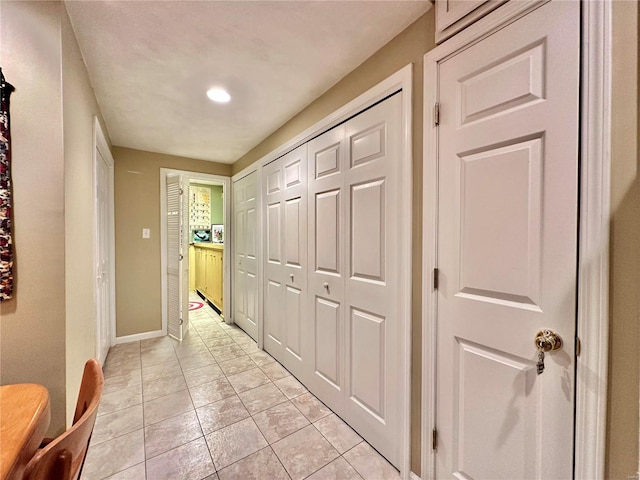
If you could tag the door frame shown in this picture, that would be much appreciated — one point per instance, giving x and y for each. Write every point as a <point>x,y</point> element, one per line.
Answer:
<point>226,189</point>
<point>594,206</point>
<point>101,146</point>
<point>257,168</point>
<point>401,80</point>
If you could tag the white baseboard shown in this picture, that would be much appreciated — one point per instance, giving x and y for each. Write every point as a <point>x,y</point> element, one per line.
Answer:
<point>137,337</point>
<point>414,476</point>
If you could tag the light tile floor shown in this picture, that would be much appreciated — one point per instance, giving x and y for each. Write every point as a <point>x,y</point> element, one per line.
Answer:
<point>214,407</point>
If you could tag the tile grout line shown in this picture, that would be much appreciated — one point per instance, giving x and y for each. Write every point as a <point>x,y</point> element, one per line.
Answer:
<point>247,348</point>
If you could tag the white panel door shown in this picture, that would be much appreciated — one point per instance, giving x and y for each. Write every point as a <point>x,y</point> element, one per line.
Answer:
<point>327,158</point>
<point>245,291</point>
<point>103,266</point>
<point>372,241</point>
<point>507,249</point>
<point>177,258</point>
<point>353,280</point>
<point>273,178</point>
<point>294,229</point>
<point>285,187</point>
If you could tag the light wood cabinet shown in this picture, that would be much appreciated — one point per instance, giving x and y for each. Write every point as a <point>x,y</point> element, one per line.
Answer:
<point>192,268</point>
<point>209,268</point>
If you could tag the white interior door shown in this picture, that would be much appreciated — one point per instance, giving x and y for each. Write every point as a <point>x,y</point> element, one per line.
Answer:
<point>507,250</point>
<point>245,291</point>
<point>327,161</point>
<point>285,187</point>
<point>177,257</point>
<point>103,265</point>
<point>353,283</point>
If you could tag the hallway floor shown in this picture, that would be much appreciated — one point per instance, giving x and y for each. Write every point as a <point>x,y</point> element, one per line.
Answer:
<point>215,407</point>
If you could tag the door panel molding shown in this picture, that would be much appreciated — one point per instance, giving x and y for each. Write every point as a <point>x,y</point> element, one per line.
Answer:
<point>593,262</point>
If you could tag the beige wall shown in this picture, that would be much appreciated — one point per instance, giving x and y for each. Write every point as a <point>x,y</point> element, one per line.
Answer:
<point>408,47</point>
<point>137,206</point>
<point>79,107</point>
<point>32,324</point>
<point>217,205</point>
<point>624,283</point>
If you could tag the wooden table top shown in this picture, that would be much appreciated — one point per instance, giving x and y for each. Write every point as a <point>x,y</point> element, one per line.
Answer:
<point>24,419</point>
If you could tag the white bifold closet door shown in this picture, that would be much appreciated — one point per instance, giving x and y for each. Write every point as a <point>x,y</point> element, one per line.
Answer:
<point>353,241</point>
<point>285,274</point>
<point>245,291</point>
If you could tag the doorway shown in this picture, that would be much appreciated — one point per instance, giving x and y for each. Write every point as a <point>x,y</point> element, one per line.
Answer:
<point>205,230</point>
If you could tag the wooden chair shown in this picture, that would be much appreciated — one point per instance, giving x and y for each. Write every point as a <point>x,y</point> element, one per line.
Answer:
<point>63,457</point>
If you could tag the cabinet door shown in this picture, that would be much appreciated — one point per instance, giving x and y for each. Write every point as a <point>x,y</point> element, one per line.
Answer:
<point>220,279</point>
<point>217,279</point>
<point>198,268</point>
<point>211,268</point>
<point>192,268</point>
<point>454,15</point>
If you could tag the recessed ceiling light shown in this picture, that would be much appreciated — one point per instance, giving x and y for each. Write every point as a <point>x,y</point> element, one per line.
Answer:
<point>218,95</point>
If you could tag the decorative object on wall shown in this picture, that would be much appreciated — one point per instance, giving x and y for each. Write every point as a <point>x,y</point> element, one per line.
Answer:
<point>217,233</point>
<point>6,244</point>
<point>200,207</point>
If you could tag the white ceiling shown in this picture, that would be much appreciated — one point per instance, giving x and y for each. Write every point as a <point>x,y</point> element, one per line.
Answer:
<point>151,63</point>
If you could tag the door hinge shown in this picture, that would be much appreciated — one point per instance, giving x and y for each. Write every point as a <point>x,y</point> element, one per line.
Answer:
<point>436,278</point>
<point>436,114</point>
<point>434,439</point>
<point>181,321</point>
<point>578,346</point>
<point>181,191</point>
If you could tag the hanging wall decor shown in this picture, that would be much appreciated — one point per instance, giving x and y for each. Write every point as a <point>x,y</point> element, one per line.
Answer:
<point>6,245</point>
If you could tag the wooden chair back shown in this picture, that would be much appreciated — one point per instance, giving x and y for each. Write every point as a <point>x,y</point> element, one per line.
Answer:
<point>63,457</point>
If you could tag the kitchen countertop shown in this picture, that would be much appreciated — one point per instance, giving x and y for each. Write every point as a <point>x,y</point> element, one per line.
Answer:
<point>213,246</point>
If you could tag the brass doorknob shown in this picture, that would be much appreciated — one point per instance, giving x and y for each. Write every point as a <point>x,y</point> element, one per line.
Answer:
<point>547,340</point>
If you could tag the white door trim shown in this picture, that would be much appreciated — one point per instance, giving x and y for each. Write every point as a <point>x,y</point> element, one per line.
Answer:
<point>593,262</point>
<point>401,80</point>
<point>226,259</point>
<point>100,145</point>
